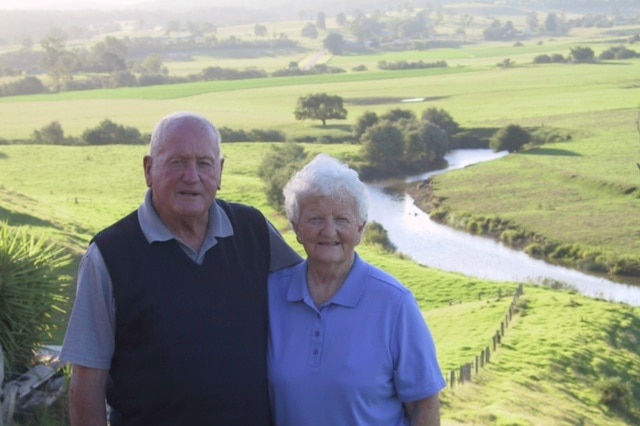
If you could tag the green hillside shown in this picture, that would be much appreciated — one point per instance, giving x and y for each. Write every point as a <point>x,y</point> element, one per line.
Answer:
<point>564,359</point>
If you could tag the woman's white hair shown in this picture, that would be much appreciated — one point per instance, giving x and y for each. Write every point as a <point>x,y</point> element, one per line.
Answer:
<point>328,177</point>
<point>169,124</point>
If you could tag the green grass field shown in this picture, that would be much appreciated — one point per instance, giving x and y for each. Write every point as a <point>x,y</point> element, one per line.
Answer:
<point>560,347</point>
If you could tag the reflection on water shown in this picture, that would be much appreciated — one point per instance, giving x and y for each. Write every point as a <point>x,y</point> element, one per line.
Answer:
<point>438,246</point>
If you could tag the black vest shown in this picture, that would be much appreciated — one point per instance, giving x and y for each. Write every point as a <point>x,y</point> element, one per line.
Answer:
<point>191,339</point>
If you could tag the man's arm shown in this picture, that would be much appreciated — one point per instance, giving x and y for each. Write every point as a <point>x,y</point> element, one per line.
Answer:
<point>87,396</point>
<point>424,412</point>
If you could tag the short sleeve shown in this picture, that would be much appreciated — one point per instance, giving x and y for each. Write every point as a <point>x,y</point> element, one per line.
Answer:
<point>90,337</point>
<point>417,373</point>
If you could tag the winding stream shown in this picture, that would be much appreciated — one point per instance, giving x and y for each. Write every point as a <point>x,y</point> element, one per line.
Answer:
<point>438,246</point>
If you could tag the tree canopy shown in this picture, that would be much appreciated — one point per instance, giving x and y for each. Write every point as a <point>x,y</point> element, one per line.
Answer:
<point>320,106</point>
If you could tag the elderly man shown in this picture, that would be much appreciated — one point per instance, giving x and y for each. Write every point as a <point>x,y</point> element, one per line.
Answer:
<point>170,319</point>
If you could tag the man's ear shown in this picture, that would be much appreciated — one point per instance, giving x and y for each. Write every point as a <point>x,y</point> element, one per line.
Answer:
<point>220,177</point>
<point>146,164</point>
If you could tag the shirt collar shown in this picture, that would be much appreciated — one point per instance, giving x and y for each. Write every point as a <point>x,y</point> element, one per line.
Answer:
<point>348,295</point>
<point>155,230</point>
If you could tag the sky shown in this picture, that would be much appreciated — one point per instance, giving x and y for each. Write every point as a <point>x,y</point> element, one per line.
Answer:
<point>66,4</point>
<point>123,4</point>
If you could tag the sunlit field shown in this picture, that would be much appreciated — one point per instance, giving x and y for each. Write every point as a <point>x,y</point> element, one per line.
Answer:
<point>560,348</point>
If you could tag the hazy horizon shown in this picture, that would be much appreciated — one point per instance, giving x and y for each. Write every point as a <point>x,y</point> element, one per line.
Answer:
<point>67,4</point>
<point>125,4</point>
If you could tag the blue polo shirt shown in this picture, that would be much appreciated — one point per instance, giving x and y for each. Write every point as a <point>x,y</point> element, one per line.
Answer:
<point>355,360</point>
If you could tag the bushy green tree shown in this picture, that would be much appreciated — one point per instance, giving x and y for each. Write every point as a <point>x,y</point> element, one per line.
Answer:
<point>51,134</point>
<point>366,120</point>
<point>277,167</point>
<point>109,132</point>
<point>334,43</point>
<point>398,114</point>
<point>58,62</point>
<point>383,147</point>
<point>310,31</point>
<point>260,30</point>
<point>425,144</point>
<point>31,291</point>
<point>320,106</point>
<point>441,118</point>
<point>510,138</point>
<point>581,54</point>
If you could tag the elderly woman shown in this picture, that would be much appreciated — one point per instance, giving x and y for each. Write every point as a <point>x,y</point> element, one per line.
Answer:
<point>348,343</point>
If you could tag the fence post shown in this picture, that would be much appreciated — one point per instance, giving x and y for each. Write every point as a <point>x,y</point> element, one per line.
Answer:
<point>488,353</point>
<point>453,378</point>
<point>476,366</point>
<point>461,374</point>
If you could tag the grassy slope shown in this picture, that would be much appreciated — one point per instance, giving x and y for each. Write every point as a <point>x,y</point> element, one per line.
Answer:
<point>552,356</point>
<point>463,313</point>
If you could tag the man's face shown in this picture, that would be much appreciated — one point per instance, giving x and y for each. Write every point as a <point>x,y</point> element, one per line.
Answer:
<point>185,175</point>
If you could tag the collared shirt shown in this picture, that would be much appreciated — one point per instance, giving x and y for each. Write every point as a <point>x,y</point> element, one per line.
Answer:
<point>354,360</point>
<point>90,338</point>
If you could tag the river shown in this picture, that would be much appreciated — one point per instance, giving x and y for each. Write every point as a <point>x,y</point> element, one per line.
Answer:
<point>441,247</point>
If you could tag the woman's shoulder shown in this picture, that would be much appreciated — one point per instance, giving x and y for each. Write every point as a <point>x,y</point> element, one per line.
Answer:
<point>384,281</point>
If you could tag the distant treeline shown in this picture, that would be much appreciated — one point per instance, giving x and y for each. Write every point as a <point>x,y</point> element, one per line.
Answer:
<point>30,85</point>
<point>111,133</point>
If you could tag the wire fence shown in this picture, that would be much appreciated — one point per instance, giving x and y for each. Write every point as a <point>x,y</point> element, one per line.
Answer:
<point>467,371</point>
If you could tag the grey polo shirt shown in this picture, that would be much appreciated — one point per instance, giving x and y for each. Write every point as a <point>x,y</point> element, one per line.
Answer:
<point>90,338</point>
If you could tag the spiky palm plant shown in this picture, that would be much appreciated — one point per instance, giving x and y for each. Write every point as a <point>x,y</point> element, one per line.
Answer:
<point>30,291</point>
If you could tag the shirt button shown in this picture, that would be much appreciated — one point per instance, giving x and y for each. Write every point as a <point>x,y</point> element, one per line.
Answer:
<point>317,333</point>
<point>315,352</point>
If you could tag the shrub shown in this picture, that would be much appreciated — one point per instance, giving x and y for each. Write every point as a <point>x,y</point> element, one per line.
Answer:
<point>52,134</point>
<point>376,234</point>
<point>441,118</point>
<point>262,135</point>
<point>232,135</point>
<point>109,132</point>
<point>614,392</point>
<point>468,140</point>
<point>510,138</point>
<point>30,292</point>
<point>542,59</point>
<point>26,86</point>
<point>276,169</point>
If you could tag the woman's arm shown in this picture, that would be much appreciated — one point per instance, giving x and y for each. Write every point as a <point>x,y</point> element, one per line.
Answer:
<point>424,412</point>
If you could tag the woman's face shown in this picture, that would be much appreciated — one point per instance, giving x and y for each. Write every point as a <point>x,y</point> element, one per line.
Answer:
<point>329,229</point>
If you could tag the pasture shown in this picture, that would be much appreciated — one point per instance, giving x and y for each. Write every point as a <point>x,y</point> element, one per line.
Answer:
<point>561,346</point>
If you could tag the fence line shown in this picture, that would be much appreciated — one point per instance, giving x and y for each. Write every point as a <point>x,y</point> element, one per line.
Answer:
<point>466,371</point>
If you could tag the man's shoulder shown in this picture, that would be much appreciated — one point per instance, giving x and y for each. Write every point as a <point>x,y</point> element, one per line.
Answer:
<point>120,226</point>
<point>231,207</point>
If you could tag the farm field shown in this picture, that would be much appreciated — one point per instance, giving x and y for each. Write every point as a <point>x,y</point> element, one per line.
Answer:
<point>560,351</point>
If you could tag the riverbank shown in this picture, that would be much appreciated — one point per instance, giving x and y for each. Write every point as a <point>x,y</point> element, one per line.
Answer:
<point>571,255</point>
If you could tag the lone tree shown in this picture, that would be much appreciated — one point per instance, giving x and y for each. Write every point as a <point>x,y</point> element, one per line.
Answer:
<point>320,106</point>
